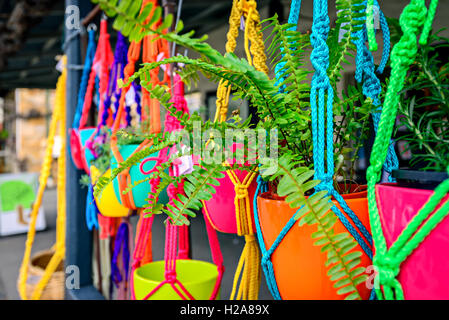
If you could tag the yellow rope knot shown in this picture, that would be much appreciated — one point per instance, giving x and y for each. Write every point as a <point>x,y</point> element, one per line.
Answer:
<point>250,238</point>
<point>241,192</point>
<point>247,7</point>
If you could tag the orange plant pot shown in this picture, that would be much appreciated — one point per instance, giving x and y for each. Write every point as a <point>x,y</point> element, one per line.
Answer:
<point>299,265</point>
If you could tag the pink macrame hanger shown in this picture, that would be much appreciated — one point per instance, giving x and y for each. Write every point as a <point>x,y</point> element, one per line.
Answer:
<point>176,237</point>
<point>171,234</point>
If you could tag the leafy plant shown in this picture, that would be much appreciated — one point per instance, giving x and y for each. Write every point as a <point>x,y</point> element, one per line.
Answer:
<point>424,107</point>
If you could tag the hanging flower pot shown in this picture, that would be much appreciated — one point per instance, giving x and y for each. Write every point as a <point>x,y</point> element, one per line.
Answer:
<point>76,149</point>
<point>178,277</point>
<point>299,265</point>
<point>75,139</point>
<point>87,155</point>
<point>423,274</point>
<point>140,192</point>
<point>108,203</point>
<point>221,209</point>
<point>198,277</point>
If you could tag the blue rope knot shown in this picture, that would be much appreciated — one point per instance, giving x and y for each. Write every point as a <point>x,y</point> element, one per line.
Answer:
<point>327,183</point>
<point>265,259</point>
<point>387,271</point>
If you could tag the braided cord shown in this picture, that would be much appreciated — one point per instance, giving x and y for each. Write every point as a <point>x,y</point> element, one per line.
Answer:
<point>58,118</point>
<point>293,18</point>
<point>365,71</point>
<point>321,100</point>
<point>248,268</point>
<point>90,55</point>
<point>254,53</point>
<point>387,261</point>
<point>370,26</point>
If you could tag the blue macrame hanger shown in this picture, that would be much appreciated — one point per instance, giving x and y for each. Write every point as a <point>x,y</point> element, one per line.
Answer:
<point>371,84</point>
<point>320,85</point>
<point>321,101</point>
<point>91,210</point>
<point>90,55</point>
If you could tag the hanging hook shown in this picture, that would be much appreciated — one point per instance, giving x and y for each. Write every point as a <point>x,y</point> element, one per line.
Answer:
<point>91,26</point>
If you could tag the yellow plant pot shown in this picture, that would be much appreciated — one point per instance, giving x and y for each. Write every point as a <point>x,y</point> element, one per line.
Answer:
<point>107,202</point>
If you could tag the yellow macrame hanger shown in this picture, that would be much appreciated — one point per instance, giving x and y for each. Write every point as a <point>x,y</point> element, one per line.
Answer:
<point>248,268</point>
<point>58,118</point>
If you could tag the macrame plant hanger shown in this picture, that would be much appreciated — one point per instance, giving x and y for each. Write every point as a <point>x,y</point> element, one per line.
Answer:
<point>176,237</point>
<point>58,119</point>
<point>387,261</point>
<point>148,109</point>
<point>248,268</point>
<point>109,226</point>
<point>365,72</point>
<point>152,47</point>
<point>100,66</point>
<point>320,87</point>
<point>75,146</point>
<point>98,136</point>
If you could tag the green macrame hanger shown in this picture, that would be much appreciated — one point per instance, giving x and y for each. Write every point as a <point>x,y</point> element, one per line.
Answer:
<point>387,261</point>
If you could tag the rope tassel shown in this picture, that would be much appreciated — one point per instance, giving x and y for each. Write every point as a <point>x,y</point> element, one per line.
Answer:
<point>248,269</point>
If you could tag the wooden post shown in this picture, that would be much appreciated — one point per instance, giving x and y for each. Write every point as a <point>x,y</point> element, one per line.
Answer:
<point>79,238</point>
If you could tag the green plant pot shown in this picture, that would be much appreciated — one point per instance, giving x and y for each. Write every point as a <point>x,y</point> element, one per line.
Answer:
<point>198,277</point>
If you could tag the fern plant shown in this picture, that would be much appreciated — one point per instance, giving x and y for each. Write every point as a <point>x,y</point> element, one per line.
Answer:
<point>282,104</point>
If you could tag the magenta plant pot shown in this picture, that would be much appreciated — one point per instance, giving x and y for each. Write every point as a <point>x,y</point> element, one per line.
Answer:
<point>220,210</point>
<point>423,274</point>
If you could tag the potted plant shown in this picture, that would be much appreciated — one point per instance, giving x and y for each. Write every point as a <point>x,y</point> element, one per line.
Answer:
<point>424,114</point>
<point>108,204</point>
<point>287,111</point>
<point>424,121</point>
<point>288,246</point>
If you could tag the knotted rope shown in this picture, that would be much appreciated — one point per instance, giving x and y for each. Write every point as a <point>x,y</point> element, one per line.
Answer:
<point>388,261</point>
<point>58,119</point>
<point>365,72</point>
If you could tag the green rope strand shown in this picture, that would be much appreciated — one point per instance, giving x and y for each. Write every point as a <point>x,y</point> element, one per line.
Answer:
<point>403,54</point>
<point>372,43</point>
<point>428,24</point>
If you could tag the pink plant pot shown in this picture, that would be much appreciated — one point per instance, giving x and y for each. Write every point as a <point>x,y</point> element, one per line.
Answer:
<point>423,274</point>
